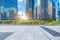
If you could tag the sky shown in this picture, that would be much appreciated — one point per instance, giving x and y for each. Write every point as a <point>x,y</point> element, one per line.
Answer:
<point>21,6</point>
<point>11,3</point>
<point>8,4</point>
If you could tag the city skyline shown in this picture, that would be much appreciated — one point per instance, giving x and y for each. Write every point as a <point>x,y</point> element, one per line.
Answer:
<point>20,4</point>
<point>8,9</point>
<point>52,10</point>
<point>58,12</point>
<point>35,4</point>
<point>29,9</point>
<point>42,9</point>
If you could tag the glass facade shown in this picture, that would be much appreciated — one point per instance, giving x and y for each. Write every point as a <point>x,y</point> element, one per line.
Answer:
<point>30,8</point>
<point>5,6</point>
<point>59,10</point>
<point>35,9</point>
<point>42,9</point>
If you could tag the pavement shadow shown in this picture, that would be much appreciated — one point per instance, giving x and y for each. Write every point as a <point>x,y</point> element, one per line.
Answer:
<point>52,32</point>
<point>4,35</point>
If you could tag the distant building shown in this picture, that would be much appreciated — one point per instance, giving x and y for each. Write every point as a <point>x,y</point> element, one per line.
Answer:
<point>36,13</point>
<point>35,9</point>
<point>42,9</point>
<point>0,16</point>
<point>1,13</point>
<point>4,17</point>
<point>30,9</point>
<point>8,9</point>
<point>52,10</point>
<point>13,13</point>
<point>59,9</point>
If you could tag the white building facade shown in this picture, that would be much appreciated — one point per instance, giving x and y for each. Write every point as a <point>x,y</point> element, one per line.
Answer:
<point>42,9</point>
<point>52,10</point>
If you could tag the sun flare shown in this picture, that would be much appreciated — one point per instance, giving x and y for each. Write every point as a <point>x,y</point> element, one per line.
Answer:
<point>24,17</point>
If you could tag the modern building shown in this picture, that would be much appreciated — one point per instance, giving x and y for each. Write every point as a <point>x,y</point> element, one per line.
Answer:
<point>5,6</point>
<point>42,9</point>
<point>1,12</point>
<point>4,17</point>
<point>0,16</point>
<point>35,9</point>
<point>59,9</point>
<point>29,9</point>
<point>13,13</point>
<point>52,10</point>
<point>1,9</point>
<point>36,12</point>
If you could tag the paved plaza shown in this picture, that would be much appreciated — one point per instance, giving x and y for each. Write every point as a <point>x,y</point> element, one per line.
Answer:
<point>29,32</point>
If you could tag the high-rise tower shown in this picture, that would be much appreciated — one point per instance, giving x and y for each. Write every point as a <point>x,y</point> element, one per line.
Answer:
<point>59,9</point>
<point>52,10</point>
<point>42,9</point>
<point>29,9</point>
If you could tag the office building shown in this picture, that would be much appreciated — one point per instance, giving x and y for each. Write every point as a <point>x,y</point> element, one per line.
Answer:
<point>13,13</point>
<point>42,9</point>
<point>35,9</point>
<point>0,16</point>
<point>59,9</point>
<point>29,11</point>
<point>6,5</point>
<point>52,10</point>
<point>1,12</point>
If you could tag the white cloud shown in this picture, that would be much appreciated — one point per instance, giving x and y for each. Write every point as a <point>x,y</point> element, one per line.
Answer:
<point>59,1</point>
<point>20,13</point>
<point>19,3</point>
<point>20,0</point>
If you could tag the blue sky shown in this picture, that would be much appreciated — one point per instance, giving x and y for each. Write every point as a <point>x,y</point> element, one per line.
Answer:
<point>11,3</point>
<point>8,4</point>
<point>21,5</point>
